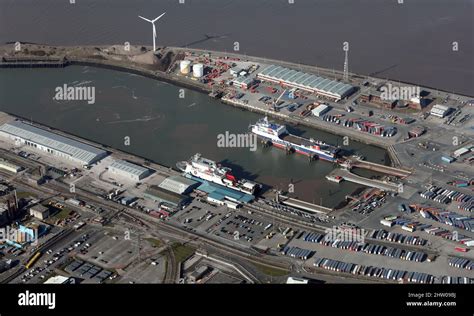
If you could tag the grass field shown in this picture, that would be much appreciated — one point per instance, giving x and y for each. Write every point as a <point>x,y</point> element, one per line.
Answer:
<point>62,214</point>
<point>182,252</point>
<point>274,272</point>
<point>154,242</point>
<point>22,195</point>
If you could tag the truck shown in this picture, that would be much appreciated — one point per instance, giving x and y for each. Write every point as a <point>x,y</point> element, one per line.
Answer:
<point>386,223</point>
<point>408,228</point>
<point>461,249</point>
<point>268,227</point>
<point>79,225</point>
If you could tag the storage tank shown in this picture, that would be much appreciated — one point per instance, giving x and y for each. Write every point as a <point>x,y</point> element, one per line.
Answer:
<point>198,70</point>
<point>185,66</point>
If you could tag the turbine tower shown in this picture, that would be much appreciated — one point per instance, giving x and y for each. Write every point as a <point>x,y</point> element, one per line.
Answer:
<point>346,67</point>
<point>154,28</point>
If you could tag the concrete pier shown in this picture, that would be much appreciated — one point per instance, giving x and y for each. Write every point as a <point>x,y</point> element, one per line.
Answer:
<point>383,185</point>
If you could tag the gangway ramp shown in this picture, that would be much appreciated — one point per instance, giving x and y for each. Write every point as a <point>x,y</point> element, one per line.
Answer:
<point>351,177</point>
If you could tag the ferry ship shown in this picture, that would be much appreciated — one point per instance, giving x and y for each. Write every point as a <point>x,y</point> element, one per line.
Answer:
<point>209,170</point>
<point>279,136</point>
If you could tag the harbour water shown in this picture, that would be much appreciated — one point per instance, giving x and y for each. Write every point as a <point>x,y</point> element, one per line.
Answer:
<point>165,128</point>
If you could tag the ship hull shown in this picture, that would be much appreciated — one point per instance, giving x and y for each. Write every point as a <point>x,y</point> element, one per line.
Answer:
<point>282,144</point>
<point>210,177</point>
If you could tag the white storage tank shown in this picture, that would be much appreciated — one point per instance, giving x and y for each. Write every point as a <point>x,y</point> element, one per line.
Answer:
<point>198,70</point>
<point>185,66</point>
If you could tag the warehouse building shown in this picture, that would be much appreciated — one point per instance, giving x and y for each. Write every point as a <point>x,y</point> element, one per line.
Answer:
<point>375,98</point>
<point>178,184</point>
<point>461,151</point>
<point>447,159</point>
<point>59,279</point>
<point>440,110</point>
<point>5,165</point>
<point>235,71</point>
<point>294,280</point>
<point>218,191</point>
<point>311,83</point>
<point>39,211</point>
<point>320,110</point>
<point>125,169</point>
<point>199,273</point>
<point>162,196</point>
<point>216,198</point>
<point>52,143</point>
<point>243,82</point>
<point>416,131</point>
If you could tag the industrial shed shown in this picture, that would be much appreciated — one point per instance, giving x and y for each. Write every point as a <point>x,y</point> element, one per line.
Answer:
<point>52,143</point>
<point>296,79</point>
<point>161,195</point>
<point>320,110</point>
<point>219,191</point>
<point>178,184</point>
<point>5,165</point>
<point>59,279</point>
<point>440,111</point>
<point>461,151</point>
<point>39,211</point>
<point>126,169</point>
<point>243,82</point>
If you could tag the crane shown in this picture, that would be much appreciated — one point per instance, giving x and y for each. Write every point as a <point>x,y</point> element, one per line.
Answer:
<point>278,99</point>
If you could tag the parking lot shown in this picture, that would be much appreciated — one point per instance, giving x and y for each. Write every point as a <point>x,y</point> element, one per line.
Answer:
<point>152,270</point>
<point>373,271</point>
<point>112,250</point>
<point>56,256</point>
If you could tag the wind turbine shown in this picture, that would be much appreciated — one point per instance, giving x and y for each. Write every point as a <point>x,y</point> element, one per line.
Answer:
<point>154,28</point>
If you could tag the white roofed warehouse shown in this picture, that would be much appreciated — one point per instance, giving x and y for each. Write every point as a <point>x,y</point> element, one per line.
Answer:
<point>332,89</point>
<point>5,165</point>
<point>320,110</point>
<point>440,110</point>
<point>178,184</point>
<point>125,169</point>
<point>52,143</point>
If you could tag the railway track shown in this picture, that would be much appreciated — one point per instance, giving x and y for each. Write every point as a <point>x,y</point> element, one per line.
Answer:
<point>198,239</point>
<point>41,249</point>
<point>171,268</point>
<point>178,233</point>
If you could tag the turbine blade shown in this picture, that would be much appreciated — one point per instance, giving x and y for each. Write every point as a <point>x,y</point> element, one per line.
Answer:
<point>158,17</point>
<point>145,19</point>
<point>154,30</point>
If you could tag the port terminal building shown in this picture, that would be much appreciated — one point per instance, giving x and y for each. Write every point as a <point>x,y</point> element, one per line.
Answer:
<point>332,89</point>
<point>219,193</point>
<point>52,143</point>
